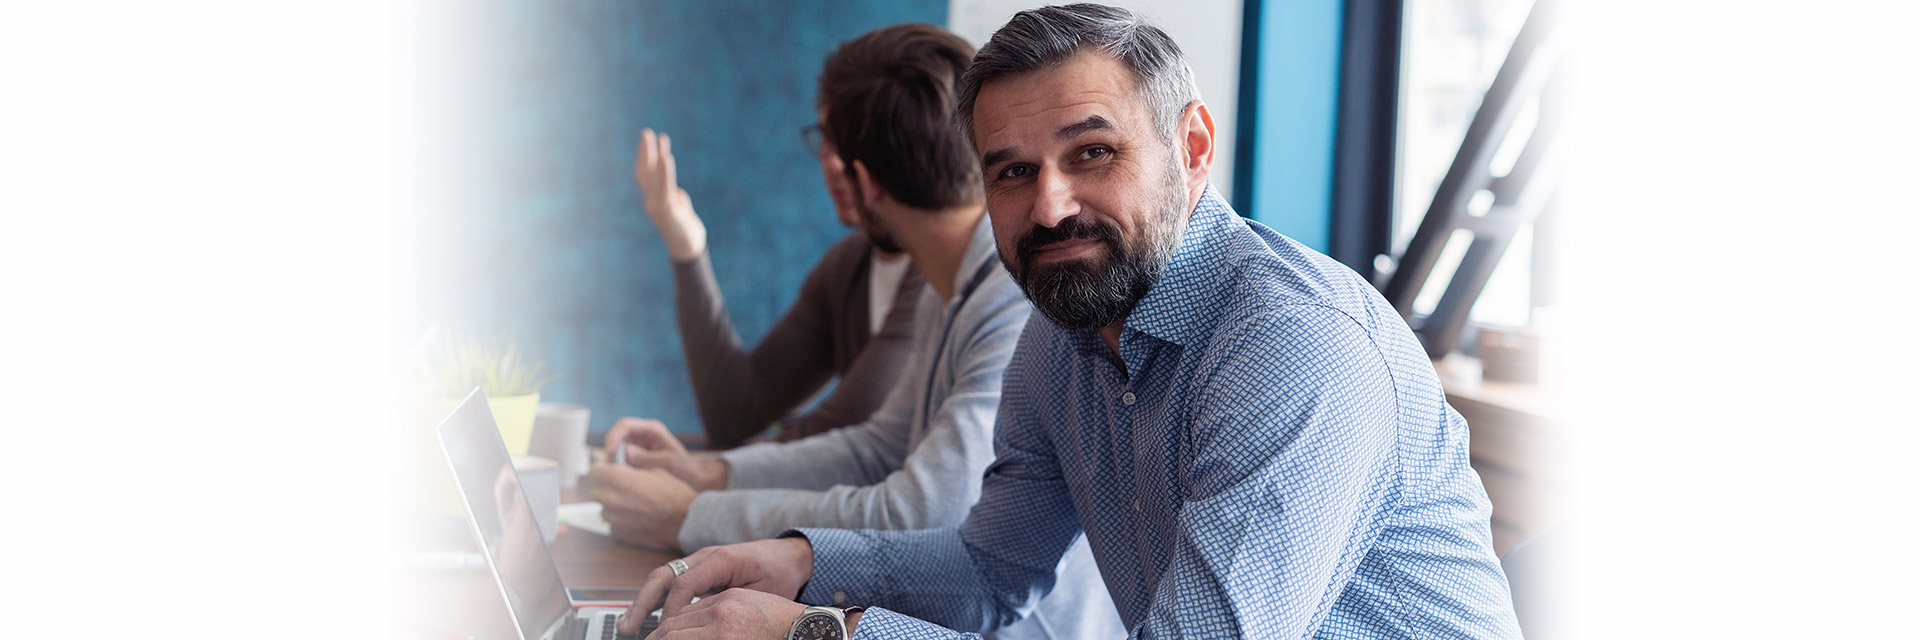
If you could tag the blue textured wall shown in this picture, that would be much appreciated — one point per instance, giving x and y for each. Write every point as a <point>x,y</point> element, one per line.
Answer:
<point>552,247</point>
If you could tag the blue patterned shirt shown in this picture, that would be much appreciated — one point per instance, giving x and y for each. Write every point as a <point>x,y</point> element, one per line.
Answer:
<point>1275,460</point>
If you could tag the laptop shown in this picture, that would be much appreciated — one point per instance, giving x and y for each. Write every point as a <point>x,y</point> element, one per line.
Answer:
<point>502,523</point>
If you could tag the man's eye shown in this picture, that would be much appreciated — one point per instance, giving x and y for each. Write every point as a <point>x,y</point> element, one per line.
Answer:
<point>1095,153</point>
<point>1016,171</point>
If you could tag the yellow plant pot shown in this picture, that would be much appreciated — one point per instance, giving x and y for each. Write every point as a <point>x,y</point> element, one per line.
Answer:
<point>514,416</point>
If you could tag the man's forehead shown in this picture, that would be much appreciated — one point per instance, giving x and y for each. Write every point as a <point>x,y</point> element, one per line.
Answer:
<point>1053,117</point>
<point>1042,102</point>
<point>1083,77</point>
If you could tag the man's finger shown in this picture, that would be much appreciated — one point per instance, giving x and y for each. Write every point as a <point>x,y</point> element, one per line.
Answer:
<point>605,473</point>
<point>616,517</point>
<point>618,435</point>
<point>687,619</point>
<point>643,443</point>
<point>597,482</point>
<point>607,482</point>
<point>666,161</point>
<point>651,433</point>
<point>703,576</point>
<point>703,603</point>
<point>640,152</point>
<point>649,599</point>
<point>652,460</point>
<point>649,153</point>
<point>646,433</point>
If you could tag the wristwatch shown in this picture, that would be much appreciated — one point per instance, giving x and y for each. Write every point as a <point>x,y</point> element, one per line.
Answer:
<point>822,623</point>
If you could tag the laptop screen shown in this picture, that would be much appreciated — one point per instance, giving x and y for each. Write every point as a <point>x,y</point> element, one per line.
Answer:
<point>498,510</point>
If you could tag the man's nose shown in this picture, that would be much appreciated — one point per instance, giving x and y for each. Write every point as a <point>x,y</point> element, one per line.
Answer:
<point>1055,200</point>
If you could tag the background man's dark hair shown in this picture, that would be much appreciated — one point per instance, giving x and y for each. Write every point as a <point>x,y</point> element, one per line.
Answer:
<point>1049,36</point>
<point>889,96</point>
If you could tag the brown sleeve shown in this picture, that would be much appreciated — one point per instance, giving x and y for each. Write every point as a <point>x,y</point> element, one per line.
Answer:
<point>874,372</point>
<point>740,393</point>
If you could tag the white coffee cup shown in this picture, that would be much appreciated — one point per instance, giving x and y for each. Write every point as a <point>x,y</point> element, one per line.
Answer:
<point>560,432</point>
<point>540,479</point>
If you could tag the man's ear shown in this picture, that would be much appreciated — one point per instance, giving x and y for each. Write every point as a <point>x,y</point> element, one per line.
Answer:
<point>1196,135</point>
<point>868,191</point>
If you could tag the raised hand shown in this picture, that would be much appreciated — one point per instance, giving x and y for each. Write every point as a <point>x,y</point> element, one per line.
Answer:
<point>667,204</point>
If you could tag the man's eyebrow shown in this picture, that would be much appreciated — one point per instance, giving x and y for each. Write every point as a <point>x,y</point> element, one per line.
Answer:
<point>996,157</point>
<point>1092,123</point>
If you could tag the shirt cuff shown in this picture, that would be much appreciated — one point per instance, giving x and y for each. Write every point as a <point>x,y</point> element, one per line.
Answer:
<point>876,623</point>
<point>844,571</point>
<point>703,517</point>
<point>756,466</point>
<point>693,267</point>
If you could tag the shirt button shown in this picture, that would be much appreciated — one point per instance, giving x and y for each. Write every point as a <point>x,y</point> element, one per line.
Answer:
<point>839,597</point>
<point>1127,398</point>
<point>1136,504</point>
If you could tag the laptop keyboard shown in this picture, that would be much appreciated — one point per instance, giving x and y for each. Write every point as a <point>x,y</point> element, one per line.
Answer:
<point>608,628</point>
<point>573,628</point>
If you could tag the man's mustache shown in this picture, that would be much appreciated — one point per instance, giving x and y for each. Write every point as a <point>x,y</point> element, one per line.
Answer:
<point>1073,228</point>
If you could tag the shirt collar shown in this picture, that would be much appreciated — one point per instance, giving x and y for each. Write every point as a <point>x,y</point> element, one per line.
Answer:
<point>1176,307</point>
<point>980,248</point>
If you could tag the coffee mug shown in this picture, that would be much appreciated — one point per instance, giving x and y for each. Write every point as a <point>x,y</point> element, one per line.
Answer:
<point>560,432</point>
<point>540,479</point>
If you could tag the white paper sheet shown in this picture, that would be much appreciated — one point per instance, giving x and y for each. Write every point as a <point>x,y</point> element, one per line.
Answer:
<point>585,516</point>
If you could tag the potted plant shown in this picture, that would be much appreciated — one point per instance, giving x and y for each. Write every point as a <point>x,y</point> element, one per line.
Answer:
<point>511,383</point>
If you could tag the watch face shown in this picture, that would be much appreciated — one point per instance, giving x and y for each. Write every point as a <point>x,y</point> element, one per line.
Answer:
<point>817,625</point>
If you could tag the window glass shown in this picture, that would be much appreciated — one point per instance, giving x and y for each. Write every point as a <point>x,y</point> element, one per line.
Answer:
<point>1451,52</point>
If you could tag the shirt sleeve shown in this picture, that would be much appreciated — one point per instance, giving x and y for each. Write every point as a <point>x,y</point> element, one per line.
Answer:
<point>739,393</point>
<point>1286,482</point>
<point>931,485</point>
<point>984,574</point>
<point>878,623</point>
<point>875,371</point>
<point>859,455</point>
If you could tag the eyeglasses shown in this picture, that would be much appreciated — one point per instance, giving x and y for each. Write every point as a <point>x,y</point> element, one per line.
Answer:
<point>814,137</point>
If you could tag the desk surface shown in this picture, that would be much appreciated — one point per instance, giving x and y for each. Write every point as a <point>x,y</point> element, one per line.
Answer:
<point>458,604</point>
<point>588,559</point>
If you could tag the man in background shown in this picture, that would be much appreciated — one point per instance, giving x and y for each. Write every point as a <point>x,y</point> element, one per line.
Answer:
<point>853,318</point>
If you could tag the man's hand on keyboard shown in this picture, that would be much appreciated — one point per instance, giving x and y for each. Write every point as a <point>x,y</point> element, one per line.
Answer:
<point>779,567</point>
<point>734,613</point>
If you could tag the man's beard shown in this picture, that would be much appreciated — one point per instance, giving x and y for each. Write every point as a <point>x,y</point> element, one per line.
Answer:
<point>877,233</point>
<point>879,236</point>
<point>1091,293</point>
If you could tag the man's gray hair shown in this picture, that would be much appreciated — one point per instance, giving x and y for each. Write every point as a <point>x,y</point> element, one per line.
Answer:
<point>1049,36</point>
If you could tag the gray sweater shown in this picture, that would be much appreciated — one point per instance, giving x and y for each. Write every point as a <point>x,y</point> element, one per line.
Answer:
<point>917,463</point>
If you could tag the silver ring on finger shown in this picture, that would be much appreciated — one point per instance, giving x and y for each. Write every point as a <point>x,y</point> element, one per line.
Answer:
<point>678,565</point>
